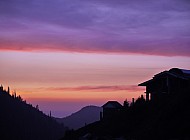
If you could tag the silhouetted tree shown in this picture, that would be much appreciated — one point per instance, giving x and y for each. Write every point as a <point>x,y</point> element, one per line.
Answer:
<point>8,91</point>
<point>126,104</point>
<point>1,87</point>
<point>37,107</point>
<point>19,98</point>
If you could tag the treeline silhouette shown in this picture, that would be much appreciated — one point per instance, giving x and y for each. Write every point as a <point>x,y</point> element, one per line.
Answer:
<point>22,121</point>
<point>163,119</point>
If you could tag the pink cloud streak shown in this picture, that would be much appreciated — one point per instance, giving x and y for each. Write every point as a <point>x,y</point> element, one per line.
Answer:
<point>131,88</point>
<point>160,49</point>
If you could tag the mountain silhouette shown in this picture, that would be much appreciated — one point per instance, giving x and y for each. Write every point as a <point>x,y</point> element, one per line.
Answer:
<point>22,121</point>
<point>86,115</point>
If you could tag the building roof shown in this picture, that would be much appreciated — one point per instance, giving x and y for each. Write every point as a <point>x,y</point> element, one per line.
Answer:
<point>146,82</point>
<point>112,104</point>
<point>180,71</point>
<point>185,71</point>
<point>174,72</point>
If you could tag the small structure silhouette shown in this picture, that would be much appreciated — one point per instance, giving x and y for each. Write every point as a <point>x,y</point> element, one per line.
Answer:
<point>111,109</point>
<point>166,83</point>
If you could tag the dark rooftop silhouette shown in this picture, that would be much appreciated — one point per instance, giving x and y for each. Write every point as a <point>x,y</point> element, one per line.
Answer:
<point>167,83</point>
<point>112,104</point>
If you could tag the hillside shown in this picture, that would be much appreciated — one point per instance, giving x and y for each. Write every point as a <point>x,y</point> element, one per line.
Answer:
<point>81,117</point>
<point>22,121</point>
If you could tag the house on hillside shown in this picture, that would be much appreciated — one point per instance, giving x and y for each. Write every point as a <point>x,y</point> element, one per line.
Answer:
<point>111,109</point>
<point>167,83</point>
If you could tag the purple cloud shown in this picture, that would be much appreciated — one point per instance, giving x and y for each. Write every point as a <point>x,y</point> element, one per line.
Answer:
<point>145,27</point>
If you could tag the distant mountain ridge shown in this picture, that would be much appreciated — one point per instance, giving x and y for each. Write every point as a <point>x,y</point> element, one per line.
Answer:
<point>86,115</point>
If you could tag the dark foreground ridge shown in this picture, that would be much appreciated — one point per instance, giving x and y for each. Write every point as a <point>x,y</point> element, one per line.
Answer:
<point>163,115</point>
<point>22,121</point>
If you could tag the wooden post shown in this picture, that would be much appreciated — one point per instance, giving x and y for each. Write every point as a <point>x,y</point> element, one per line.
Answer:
<point>8,90</point>
<point>147,96</point>
<point>133,101</point>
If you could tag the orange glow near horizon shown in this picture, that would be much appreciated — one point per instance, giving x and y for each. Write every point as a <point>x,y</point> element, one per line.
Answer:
<point>80,78</point>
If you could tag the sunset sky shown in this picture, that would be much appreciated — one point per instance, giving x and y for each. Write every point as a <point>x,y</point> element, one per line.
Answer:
<point>66,54</point>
